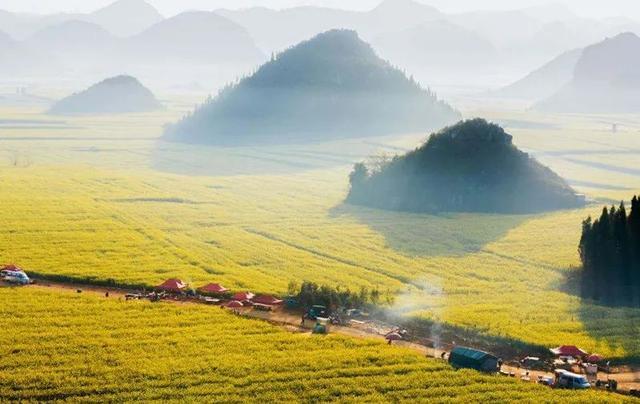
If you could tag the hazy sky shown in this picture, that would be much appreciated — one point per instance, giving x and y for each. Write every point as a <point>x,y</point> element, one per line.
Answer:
<point>592,8</point>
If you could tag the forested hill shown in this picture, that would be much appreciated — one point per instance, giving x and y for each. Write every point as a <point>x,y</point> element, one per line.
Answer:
<point>331,86</point>
<point>120,94</point>
<point>469,167</point>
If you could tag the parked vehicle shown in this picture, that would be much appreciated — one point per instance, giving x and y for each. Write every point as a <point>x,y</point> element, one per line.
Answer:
<point>462,357</point>
<point>317,311</point>
<point>568,380</point>
<point>15,277</point>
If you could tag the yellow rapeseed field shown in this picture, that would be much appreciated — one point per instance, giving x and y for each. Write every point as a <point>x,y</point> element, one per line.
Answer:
<point>59,345</point>
<point>104,200</point>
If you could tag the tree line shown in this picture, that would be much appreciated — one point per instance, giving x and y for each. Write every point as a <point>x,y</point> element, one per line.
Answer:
<point>610,254</point>
<point>308,294</point>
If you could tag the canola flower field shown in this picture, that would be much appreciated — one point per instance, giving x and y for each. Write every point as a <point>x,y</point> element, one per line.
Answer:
<point>94,349</point>
<point>107,201</point>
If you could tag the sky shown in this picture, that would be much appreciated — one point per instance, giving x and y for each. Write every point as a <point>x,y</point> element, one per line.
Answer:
<point>586,8</point>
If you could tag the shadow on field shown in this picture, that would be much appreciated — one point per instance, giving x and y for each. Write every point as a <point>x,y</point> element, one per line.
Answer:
<point>450,234</point>
<point>615,326</point>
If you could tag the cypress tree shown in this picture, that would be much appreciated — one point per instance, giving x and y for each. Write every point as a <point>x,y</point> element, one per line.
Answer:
<point>634,241</point>
<point>622,270</point>
<point>587,251</point>
<point>610,253</point>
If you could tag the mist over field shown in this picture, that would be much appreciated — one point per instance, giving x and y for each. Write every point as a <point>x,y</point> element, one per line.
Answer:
<point>295,201</point>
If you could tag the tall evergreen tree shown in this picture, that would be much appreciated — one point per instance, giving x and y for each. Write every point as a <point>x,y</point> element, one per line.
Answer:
<point>610,253</point>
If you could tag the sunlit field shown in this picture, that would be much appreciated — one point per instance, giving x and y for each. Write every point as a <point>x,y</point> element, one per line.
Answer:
<point>98,199</point>
<point>87,345</point>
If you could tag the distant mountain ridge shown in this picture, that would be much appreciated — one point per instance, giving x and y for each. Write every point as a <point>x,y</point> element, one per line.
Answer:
<point>121,18</point>
<point>331,86</point>
<point>472,166</point>
<point>606,79</point>
<point>195,36</point>
<point>75,37</point>
<point>125,18</point>
<point>277,30</point>
<point>546,80</point>
<point>116,95</point>
<point>436,45</point>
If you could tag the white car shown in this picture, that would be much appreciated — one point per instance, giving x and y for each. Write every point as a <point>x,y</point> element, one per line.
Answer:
<point>568,380</point>
<point>17,277</point>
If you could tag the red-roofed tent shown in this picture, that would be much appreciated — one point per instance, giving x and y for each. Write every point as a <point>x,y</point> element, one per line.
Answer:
<point>172,285</point>
<point>213,288</point>
<point>11,267</point>
<point>234,304</point>
<point>569,350</point>
<point>266,299</point>
<point>243,296</point>
<point>595,358</point>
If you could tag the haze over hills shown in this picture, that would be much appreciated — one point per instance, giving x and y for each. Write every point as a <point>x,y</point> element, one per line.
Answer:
<point>121,18</point>
<point>606,79</point>
<point>195,37</point>
<point>465,49</point>
<point>546,80</point>
<point>331,86</point>
<point>5,40</point>
<point>73,39</point>
<point>472,166</point>
<point>277,30</point>
<point>121,94</point>
<point>436,45</point>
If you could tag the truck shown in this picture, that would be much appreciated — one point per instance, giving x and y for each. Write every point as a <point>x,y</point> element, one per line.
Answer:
<point>469,358</point>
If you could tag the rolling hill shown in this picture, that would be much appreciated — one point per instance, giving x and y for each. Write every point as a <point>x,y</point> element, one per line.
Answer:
<point>121,94</point>
<point>606,79</point>
<point>332,86</point>
<point>472,166</point>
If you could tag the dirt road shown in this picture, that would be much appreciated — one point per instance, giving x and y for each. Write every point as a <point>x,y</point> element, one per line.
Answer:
<point>627,378</point>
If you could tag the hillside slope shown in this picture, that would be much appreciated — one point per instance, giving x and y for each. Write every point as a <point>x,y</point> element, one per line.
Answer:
<point>546,80</point>
<point>469,167</point>
<point>332,86</point>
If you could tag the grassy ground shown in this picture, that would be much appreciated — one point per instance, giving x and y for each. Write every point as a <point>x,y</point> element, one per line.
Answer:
<point>94,349</point>
<point>106,200</point>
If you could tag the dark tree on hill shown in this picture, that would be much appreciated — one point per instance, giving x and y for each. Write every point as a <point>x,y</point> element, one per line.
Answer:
<point>472,166</point>
<point>610,253</point>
